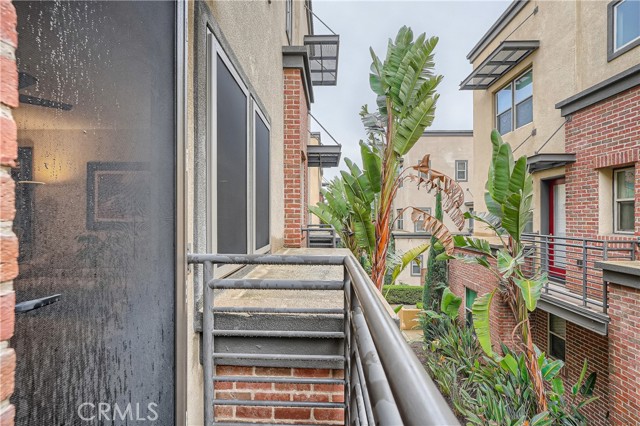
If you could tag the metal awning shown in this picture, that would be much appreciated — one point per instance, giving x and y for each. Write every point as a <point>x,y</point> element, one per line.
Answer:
<point>323,58</point>
<point>323,155</point>
<point>500,61</point>
<point>539,162</point>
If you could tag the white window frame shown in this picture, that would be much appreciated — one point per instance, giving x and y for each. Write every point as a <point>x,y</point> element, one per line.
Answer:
<point>615,33</point>
<point>400,219</point>
<point>214,49</point>
<point>464,163</point>
<point>419,265</point>
<point>551,333</point>
<point>514,109</point>
<point>617,201</point>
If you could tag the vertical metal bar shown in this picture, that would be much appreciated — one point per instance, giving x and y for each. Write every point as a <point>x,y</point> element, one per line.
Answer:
<point>347,342</point>
<point>207,343</point>
<point>584,272</point>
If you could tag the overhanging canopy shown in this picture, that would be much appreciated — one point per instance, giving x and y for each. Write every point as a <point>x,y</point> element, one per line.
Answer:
<point>500,61</point>
<point>323,155</point>
<point>539,162</point>
<point>323,58</point>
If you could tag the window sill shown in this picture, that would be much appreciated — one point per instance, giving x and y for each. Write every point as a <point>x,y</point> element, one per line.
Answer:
<point>611,55</point>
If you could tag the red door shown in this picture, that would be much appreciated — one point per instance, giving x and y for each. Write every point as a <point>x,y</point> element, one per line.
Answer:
<point>557,253</point>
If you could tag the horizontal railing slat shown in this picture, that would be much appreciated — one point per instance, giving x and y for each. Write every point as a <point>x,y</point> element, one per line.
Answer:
<point>280,379</point>
<point>257,284</point>
<point>267,403</point>
<point>280,333</point>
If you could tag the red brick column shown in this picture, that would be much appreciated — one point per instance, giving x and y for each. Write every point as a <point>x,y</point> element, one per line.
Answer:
<point>8,241</point>
<point>296,137</point>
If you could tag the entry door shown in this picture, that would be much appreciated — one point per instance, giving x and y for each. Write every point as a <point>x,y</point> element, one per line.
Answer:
<point>557,230</point>
<point>95,218</point>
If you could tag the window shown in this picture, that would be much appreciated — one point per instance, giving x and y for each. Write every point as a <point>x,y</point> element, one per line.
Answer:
<point>400,220</point>
<point>514,104</point>
<point>557,337</point>
<point>471,220</point>
<point>400,167</point>
<point>469,298</point>
<point>461,170</point>
<point>416,266</point>
<point>418,225</point>
<point>289,21</point>
<point>623,27</point>
<point>623,199</point>
<point>239,145</point>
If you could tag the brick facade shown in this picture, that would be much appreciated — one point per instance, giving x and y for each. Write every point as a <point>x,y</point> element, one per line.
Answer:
<point>296,137</point>
<point>279,392</point>
<point>8,241</point>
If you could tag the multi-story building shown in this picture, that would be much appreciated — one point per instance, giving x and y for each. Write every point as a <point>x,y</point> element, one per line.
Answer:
<point>452,154</point>
<point>561,82</point>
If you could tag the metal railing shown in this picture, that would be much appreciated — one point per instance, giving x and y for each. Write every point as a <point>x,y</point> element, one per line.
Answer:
<point>570,265</point>
<point>384,383</point>
<point>321,236</point>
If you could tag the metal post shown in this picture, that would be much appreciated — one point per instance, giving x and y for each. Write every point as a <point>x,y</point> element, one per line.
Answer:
<point>584,272</point>
<point>347,343</point>
<point>605,299</point>
<point>207,343</point>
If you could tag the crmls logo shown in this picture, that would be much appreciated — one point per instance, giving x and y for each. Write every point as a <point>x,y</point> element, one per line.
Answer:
<point>88,411</point>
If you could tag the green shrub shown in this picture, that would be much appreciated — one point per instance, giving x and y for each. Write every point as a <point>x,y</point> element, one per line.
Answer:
<point>402,294</point>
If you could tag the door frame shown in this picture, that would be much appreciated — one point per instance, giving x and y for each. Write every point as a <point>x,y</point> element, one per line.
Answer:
<point>559,273</point>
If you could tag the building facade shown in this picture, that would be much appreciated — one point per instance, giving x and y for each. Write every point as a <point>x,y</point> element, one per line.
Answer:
<point>561,82</point>
<point>452,154</point>
<point>120,124</point>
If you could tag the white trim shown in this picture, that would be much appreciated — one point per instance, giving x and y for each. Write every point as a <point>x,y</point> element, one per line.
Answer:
<point>420,265</point>
<point>513,108</point>
<point>615,33</point>
<point>617,200</point>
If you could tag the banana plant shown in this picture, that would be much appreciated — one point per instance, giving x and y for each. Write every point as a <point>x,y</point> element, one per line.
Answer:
<point>405,85</point>
<point>508,196</point>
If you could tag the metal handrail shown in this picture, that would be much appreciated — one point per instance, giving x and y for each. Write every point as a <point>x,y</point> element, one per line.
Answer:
<point>317,235</point>
<point>384,381</point>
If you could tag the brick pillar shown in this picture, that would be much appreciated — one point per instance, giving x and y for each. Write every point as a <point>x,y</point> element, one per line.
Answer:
<point>624,355</point>
<point>8,241</point>
<point>296,137</point>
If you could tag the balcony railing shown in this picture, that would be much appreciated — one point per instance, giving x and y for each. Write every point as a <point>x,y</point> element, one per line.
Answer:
<point>570,265</point>
<point>384,383</point>
<point>321,236</point>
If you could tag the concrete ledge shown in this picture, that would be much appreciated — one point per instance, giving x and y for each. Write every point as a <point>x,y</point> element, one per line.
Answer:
<point>625,273</point>
<point>598,323</point>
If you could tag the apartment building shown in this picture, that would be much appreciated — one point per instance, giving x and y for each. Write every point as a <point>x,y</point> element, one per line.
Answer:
<point>561,82</point>
<point>452,154</point>
<point>132,134</point>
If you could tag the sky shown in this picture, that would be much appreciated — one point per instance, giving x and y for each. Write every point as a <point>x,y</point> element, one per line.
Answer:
<point>459,25</point>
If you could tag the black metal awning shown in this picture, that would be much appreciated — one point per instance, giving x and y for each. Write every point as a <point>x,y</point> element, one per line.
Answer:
<point>539,162</point>
<point>500,61</point>
<point>323,58</point>
<point>323,155</point>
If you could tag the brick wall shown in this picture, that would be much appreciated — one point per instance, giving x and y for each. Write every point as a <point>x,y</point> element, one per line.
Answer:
<point>477,278</point>
<point>279,392</point>
<point>296,137</point>
<point>581,344</point>
<point>8,241</point>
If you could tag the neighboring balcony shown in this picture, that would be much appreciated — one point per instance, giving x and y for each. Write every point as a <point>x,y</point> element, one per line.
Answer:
<point>576,290</point>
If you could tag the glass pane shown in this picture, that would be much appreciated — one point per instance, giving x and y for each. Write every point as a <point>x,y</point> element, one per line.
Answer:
<point>524,87</point>
<point>524,112</point>
<point>625,183</point>
<point>557,349</point>
<point>96,130</point>
<point>627,22</point>
<point>232,163</point>
<point>504,122</point>
<point>558,326</point>
<point>625,216</point>
<point>503,100</point>
<point>262,183</point>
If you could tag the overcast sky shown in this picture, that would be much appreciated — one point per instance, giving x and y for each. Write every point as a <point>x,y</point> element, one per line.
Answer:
<point>360,24</point>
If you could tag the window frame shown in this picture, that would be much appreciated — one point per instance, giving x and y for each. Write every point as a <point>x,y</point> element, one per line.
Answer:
<point>426,209</point>
<point>514,105</point>
<point>617,201</point>
<point>252,181</point>
<point>414,263</point>
<point>612,51</point>
<point>400,219</point>
<point>214,50</point>
<point>552,333</point>
<point>466,170</point>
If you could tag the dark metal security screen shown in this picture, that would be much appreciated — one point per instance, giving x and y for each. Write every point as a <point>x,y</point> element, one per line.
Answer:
<point>232,162</point>
<point>97,114</point>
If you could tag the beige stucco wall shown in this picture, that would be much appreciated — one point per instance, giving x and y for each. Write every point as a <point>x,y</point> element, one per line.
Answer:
<point>315,183</point>
<point>255,30</point>
<point>572,57</point>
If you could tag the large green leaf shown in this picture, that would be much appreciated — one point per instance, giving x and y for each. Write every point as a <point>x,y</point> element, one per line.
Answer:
<point>499,189</point>
<point>481,323</point>
<point>530,290</point>
<point>450,303</point>
<point>463,241</point>
<point>551,369</point>
<point>372,166</point>
<point>409,129</point>
<point>406,259</point>
<point>364,229</point>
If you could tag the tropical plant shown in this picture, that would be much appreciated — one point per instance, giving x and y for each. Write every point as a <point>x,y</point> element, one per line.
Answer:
<point>436,275</point>
<point>508,196</point>
<point>405,85</point>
